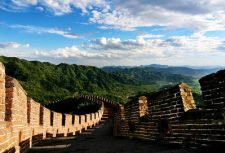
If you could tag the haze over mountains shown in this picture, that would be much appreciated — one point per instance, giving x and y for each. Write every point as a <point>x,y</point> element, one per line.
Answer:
<point>196,72</point>
<point>46,82</point>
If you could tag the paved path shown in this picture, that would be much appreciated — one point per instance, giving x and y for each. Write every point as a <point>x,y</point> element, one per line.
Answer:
<point>100,140</point>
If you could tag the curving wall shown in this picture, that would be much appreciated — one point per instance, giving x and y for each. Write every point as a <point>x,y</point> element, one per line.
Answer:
<point>169,116</point>
<point>24,122</point>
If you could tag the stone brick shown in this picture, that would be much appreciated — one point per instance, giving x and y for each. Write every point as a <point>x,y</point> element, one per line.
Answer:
<point>143,106</point>
<point>2,92</point>
<point>34,113</point>
<point>212,87</point>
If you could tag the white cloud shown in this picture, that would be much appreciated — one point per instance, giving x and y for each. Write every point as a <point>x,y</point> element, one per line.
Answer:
<point>33,29</point>
<point>13,45</point>
<point>41,9</point>
<point>24,3</point>
<point>15,49</point>
<point>27,45</point>
<point>141,50</point>
<point>202,15</point>
<point>176,50</point>
<point>4,45</point>
<point>57,7</point>
<point>151,36</point>
<point>199,16</point>
<point>72,52</point>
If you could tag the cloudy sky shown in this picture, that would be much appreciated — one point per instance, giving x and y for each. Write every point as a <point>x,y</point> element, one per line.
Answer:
<point>114,32</point>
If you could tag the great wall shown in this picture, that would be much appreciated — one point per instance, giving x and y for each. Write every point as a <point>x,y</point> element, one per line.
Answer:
<point>167,117</point>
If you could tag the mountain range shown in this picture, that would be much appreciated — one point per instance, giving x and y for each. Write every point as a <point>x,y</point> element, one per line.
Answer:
<point>46,82</point>
<point>192,71</point>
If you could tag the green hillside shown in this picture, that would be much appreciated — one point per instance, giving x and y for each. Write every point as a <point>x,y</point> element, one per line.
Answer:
<point>146,75</point>
<point>46,82</point>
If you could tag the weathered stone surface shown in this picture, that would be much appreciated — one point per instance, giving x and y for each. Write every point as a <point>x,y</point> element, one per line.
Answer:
<point>2,92</point>
<point>143,106</point>
<point>187,98</point>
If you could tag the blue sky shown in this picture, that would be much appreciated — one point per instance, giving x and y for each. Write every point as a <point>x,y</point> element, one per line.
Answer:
<point>114,32</point>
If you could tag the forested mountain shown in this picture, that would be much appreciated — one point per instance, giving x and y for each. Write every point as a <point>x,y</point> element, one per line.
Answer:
<point>146,75</point>
<point>46,82</point>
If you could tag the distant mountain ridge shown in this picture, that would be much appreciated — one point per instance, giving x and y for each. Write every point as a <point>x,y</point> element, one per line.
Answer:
<point>146,75</point>
<point>181,70</point>
<point>156,66</point>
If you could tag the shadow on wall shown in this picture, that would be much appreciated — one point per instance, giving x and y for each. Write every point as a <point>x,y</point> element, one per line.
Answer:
<point>74,106</point>
<point>172,117</point>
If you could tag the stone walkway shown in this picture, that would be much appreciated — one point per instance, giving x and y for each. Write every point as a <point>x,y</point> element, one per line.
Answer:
<point>100,140</point>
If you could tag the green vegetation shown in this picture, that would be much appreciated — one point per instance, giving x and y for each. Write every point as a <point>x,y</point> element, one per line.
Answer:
<point>147,76</point>
<point>184,71</point>
<point>46,82</point>
<point>164,76</point>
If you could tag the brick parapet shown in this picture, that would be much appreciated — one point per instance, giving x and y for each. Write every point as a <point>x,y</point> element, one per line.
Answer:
<point>213,90</point>
<point>24,122</point>
<point>173,117</point>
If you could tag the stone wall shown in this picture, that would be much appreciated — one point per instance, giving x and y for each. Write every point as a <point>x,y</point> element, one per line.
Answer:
<point>170,116</point>
<point>173,117</point>
<point>24,122</point>
<point>213,90</point>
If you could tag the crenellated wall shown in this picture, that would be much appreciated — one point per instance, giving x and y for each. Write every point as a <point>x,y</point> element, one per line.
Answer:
<point>173,117</point>
<point>213,90</point>
<point>24,122</point>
